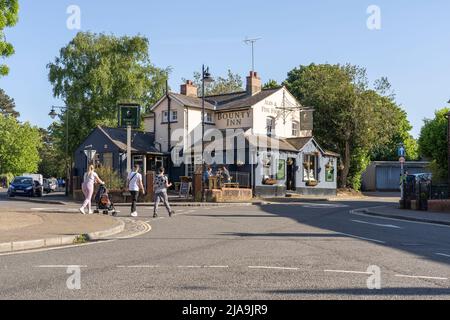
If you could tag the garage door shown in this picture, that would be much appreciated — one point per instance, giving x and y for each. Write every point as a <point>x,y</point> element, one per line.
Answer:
<point>388,178</point>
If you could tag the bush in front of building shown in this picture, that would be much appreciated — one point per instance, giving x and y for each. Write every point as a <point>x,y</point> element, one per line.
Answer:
<point>111,177</point>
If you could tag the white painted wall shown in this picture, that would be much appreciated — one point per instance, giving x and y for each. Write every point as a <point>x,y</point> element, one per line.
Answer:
<point>323,161</point>
<point>270,107</point>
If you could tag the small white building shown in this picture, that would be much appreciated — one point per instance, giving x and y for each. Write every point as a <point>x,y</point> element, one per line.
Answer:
<point>267,137</point>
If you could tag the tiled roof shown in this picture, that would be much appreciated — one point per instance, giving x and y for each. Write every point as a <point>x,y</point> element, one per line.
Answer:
<point>299,143</point>
<point>240,99</point>
<point>140,141</point>
<point>225,101</point>
<point>191,101</point>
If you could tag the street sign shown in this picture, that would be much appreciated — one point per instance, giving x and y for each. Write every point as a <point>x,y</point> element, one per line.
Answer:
<point>129,115</point>
<point>401,152</point>
<point>90,154</point>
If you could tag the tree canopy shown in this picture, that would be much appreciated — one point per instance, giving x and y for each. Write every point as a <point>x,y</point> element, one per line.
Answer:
<point>351,118</point>
<point>7,105</point>
<point>222,85</point>
<point>9,14</point>
<point>19,146</point>
<point>96,72</point>
<point>433,143</point>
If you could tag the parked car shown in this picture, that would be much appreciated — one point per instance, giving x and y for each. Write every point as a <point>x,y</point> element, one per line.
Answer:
<point>25,186</point>
<point>49,185</point>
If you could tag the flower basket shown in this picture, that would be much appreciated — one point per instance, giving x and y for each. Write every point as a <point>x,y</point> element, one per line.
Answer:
<point>312,183</point>
<point>270,182</point>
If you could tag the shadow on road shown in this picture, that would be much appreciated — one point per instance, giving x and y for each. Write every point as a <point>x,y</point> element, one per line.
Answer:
<point>422,240</point>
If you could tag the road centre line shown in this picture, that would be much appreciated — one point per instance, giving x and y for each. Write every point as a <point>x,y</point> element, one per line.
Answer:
<point>420,277</point>
<point>60,266</point>
<point>345,271</point>
<point>273,268</point>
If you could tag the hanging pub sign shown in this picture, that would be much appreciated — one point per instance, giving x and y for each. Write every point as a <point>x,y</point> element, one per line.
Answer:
<point>129,115</point>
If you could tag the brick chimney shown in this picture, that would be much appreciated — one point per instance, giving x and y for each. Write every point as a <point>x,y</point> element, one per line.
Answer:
<point>189,89</point>
<point>254,84</point>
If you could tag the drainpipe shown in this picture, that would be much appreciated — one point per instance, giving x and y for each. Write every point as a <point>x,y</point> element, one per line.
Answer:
<point>169,129</point>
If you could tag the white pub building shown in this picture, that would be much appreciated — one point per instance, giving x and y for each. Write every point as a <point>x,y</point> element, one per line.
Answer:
<point>264,137</point>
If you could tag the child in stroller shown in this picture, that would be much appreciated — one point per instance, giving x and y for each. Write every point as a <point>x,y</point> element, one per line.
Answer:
<point>104,202</point>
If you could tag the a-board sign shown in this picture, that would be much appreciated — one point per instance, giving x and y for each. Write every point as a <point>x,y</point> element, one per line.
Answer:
<point>185,189</point>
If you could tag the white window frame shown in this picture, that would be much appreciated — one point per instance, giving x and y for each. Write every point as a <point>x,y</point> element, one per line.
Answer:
<point>295,128</point>
<point>165,116</point>
<point>174,116</point>
<point>270,127</point>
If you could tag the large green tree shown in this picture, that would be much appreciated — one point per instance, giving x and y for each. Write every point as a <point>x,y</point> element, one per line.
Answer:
<point>52,163</point>
<point>19,146</point>
<point>350,117</point>
<point>9,14</point>
<point>7,105</point>
<point>96,72</point>
<point>433,143</point>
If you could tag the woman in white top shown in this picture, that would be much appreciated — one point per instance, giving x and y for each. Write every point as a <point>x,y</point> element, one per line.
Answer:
<point>90,178</point>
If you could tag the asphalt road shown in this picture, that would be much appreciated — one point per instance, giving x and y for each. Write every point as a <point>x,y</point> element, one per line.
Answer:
<point>290,251</point>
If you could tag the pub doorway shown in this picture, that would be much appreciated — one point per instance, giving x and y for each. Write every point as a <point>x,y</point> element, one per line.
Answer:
<point>291,174</point>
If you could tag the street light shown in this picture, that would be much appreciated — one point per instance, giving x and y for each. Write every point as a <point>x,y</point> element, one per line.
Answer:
<point>53,114</point>
<point>206,79</point>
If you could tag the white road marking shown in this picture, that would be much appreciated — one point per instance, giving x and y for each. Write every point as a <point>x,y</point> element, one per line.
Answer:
<point>138,267</point>
<point>362,214</point>
<point>420,277</point>
<point>273,268</point>
<point>377,224</point>
<point>189,267</point>
<point>60,266</point>
<point>361,238</point>
<point>345,271</point>
<point>443,255</point>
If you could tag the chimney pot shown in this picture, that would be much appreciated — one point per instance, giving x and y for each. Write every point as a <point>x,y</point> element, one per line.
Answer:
<point>189,89</point>
<point>254,84</point>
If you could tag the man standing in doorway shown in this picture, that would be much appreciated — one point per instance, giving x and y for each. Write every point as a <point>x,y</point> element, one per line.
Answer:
<point>160,186</point>
<point>135,184</point>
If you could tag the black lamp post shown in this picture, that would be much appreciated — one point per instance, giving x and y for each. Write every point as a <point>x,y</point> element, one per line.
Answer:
<point>53,114</point>
<point>206,79</point>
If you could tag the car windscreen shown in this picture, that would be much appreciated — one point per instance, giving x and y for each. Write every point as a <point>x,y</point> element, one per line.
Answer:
<point>23,181</point>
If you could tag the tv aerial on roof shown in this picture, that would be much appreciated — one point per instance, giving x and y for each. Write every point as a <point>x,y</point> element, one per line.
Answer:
<point>252,41</point>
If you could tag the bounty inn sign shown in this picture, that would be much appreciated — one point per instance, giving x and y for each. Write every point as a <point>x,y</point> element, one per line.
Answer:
<point>235,119</point>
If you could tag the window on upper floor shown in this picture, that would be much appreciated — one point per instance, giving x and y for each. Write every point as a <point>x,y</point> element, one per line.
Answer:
<point>270,125</point>
<point>165,116</point>
<point>295,129</point>
<point>173,116</point>
<point>209,117</point>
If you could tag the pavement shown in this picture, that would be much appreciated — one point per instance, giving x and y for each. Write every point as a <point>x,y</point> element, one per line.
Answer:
<point>22,230</point>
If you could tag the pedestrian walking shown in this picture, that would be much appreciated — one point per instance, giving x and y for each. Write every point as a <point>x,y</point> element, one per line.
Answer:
<point>134,183</point>
<point>161,184</point>
<point>89,180</point>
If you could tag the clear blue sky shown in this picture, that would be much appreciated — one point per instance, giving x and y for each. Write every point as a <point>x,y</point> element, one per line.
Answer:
<point>412,48</point>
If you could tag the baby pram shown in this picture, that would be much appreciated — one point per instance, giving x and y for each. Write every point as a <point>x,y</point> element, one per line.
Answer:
<point>104,202</point>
